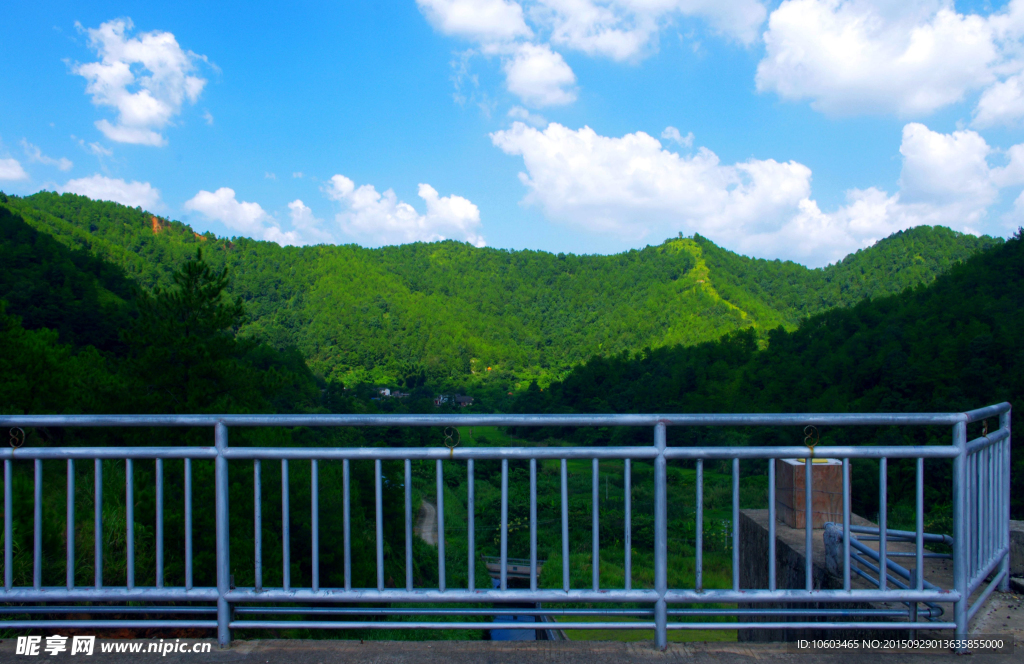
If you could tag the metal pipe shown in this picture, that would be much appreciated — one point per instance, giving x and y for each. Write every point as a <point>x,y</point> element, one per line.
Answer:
<point>223,533</point>
<point>883,512</point>
<point>314,490</point>
<point>699,530</point>
<point>8,527</point>
<point>735,524</point>
<point>379,502</point>
<point>37,528</point>
<point>110,624</point>
<point>503,574</point>
<point>1004,498</point>
<point>919,525</point>
<point>471,526</point>
<point>565,527</point>
<point>188,524</point>
<point>660,538</point>
<point>441,581</point>
<point>159,523</point>
<point>984,596</point>
<point>533,524</point>
<point>70,565</point>
<point>960,530</point>
<point>408,524</point>
<point>129,511</point>
<point>772,580</point>
<point>808,522</point>
<point>286,527</point>
<point>97,565</point>
<point>595,529</point>
<point>846,524</point>
<point>345,524</point>
<point>257,491</point>
<point>628,517</point>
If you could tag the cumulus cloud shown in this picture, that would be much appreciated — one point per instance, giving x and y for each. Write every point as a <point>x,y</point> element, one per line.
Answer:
<point>145,79</point>
<point>483,21</point>
<point>102,188</point>
<point>672,134</point>
<point>520,113</point>
<point>539,76</point>
<point>306,228</point>
<point>908,58</point>
<point>36,155</point>
<point>222,206</point>
<point>380,218</point>
<point>634,188</point>
<point>10,169</point>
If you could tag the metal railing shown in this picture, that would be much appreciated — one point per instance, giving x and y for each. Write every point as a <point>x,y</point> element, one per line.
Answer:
<point>980,541</point>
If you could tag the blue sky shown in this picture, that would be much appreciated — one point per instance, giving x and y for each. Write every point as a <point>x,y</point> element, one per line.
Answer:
<point>800,130</point>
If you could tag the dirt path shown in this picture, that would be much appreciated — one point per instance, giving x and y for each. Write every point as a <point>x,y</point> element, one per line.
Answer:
<point>426,523</point>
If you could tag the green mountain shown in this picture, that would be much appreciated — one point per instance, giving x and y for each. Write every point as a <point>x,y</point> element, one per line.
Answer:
<point>450,312</point>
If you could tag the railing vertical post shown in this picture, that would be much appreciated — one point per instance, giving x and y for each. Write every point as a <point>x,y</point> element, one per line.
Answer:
<point>71,525</point>
<point>883,521</point>
<point>698,530</point>
<point>188,524</point>
<point>257,521</point>
<point>660,538</point>
<point>471,525</point>
<point>1003,497</point>
<point>408,524</point>
<point>286,527</point>
<point>846,524</point>
<point>314,490</point>
<point>441,564</point>
<point>736,524</point>
<point>379,501</point>
<point>808,521</point>
<point>533,524</point>
<point>129,518</point>
<point>97,563</point>
<point>772,580</point>
<point>37,540</point>
<point>503,574</point>
<point>565,527</point>
<point>960,529</point>
<point>346,524</point>
<point>595,527</point>
<point>221,487</point>
<point>8,527</point>
<point>159,523</point>
<point>627,491</point>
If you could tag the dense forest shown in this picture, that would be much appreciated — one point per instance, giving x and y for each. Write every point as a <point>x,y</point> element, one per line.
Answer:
<point>455,315</point>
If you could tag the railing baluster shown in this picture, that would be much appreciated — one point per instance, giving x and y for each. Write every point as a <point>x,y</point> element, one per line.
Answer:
<point>960,529</point>
<point>188,524</point>
<point>379,495</point>
<point>314,490</point>
<point>159,523</point>
<point>1004,501</point>
<point>222,490</point>
<point>8,527</point>
<point>71,525</point>
<point>846,524</point>
<point>698,530</point>
<point>883,521</point>
<point>627,492</point>
<point>471,524</point>
<point>504,525</point>
<point>533,524</point>
<point>660,538</point>
<point>408,524</point>
<point>37,539</point>
<point>257,528</point>
<point>808,522</point>
<point>346,524</point>
<point>735,524</point>
<point>286,534</point>
<point>772,582</point>
<point>919,533</point>
<point>595,531</point>
<point>565,527</point>
<point>129,511</point>
<point>441,581</point>
<point>97,564</point>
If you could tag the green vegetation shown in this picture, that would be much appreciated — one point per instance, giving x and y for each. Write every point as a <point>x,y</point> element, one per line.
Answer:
<point>450,314</point>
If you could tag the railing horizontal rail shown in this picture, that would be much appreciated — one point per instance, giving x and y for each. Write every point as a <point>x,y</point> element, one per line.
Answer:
<point>978,444</point>
<point>109,453</point>
<point>595,420</point>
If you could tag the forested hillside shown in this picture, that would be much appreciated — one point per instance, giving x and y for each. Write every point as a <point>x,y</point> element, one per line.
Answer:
<point>449,313</point>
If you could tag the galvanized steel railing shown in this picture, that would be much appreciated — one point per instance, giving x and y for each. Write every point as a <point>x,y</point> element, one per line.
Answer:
<point>980,542</point>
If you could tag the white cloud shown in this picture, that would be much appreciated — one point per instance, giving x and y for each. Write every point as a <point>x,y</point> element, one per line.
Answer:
<point>267,175</point>
<point>633,188</point>
<point>208,117</point>
<point>222,206</point>
<point>297,174</point>
<point>10,169</point>
<point>482,21</point>
<point>626,30</point>
<point>530,118</point>
<point>146,79</point>
<point>102,188</point>
<point>672,134</point>
<point>306,228</point>
<point>378,218</point>
<point>908,58</point>
<point>36,155</point>
<point>539,76</point>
